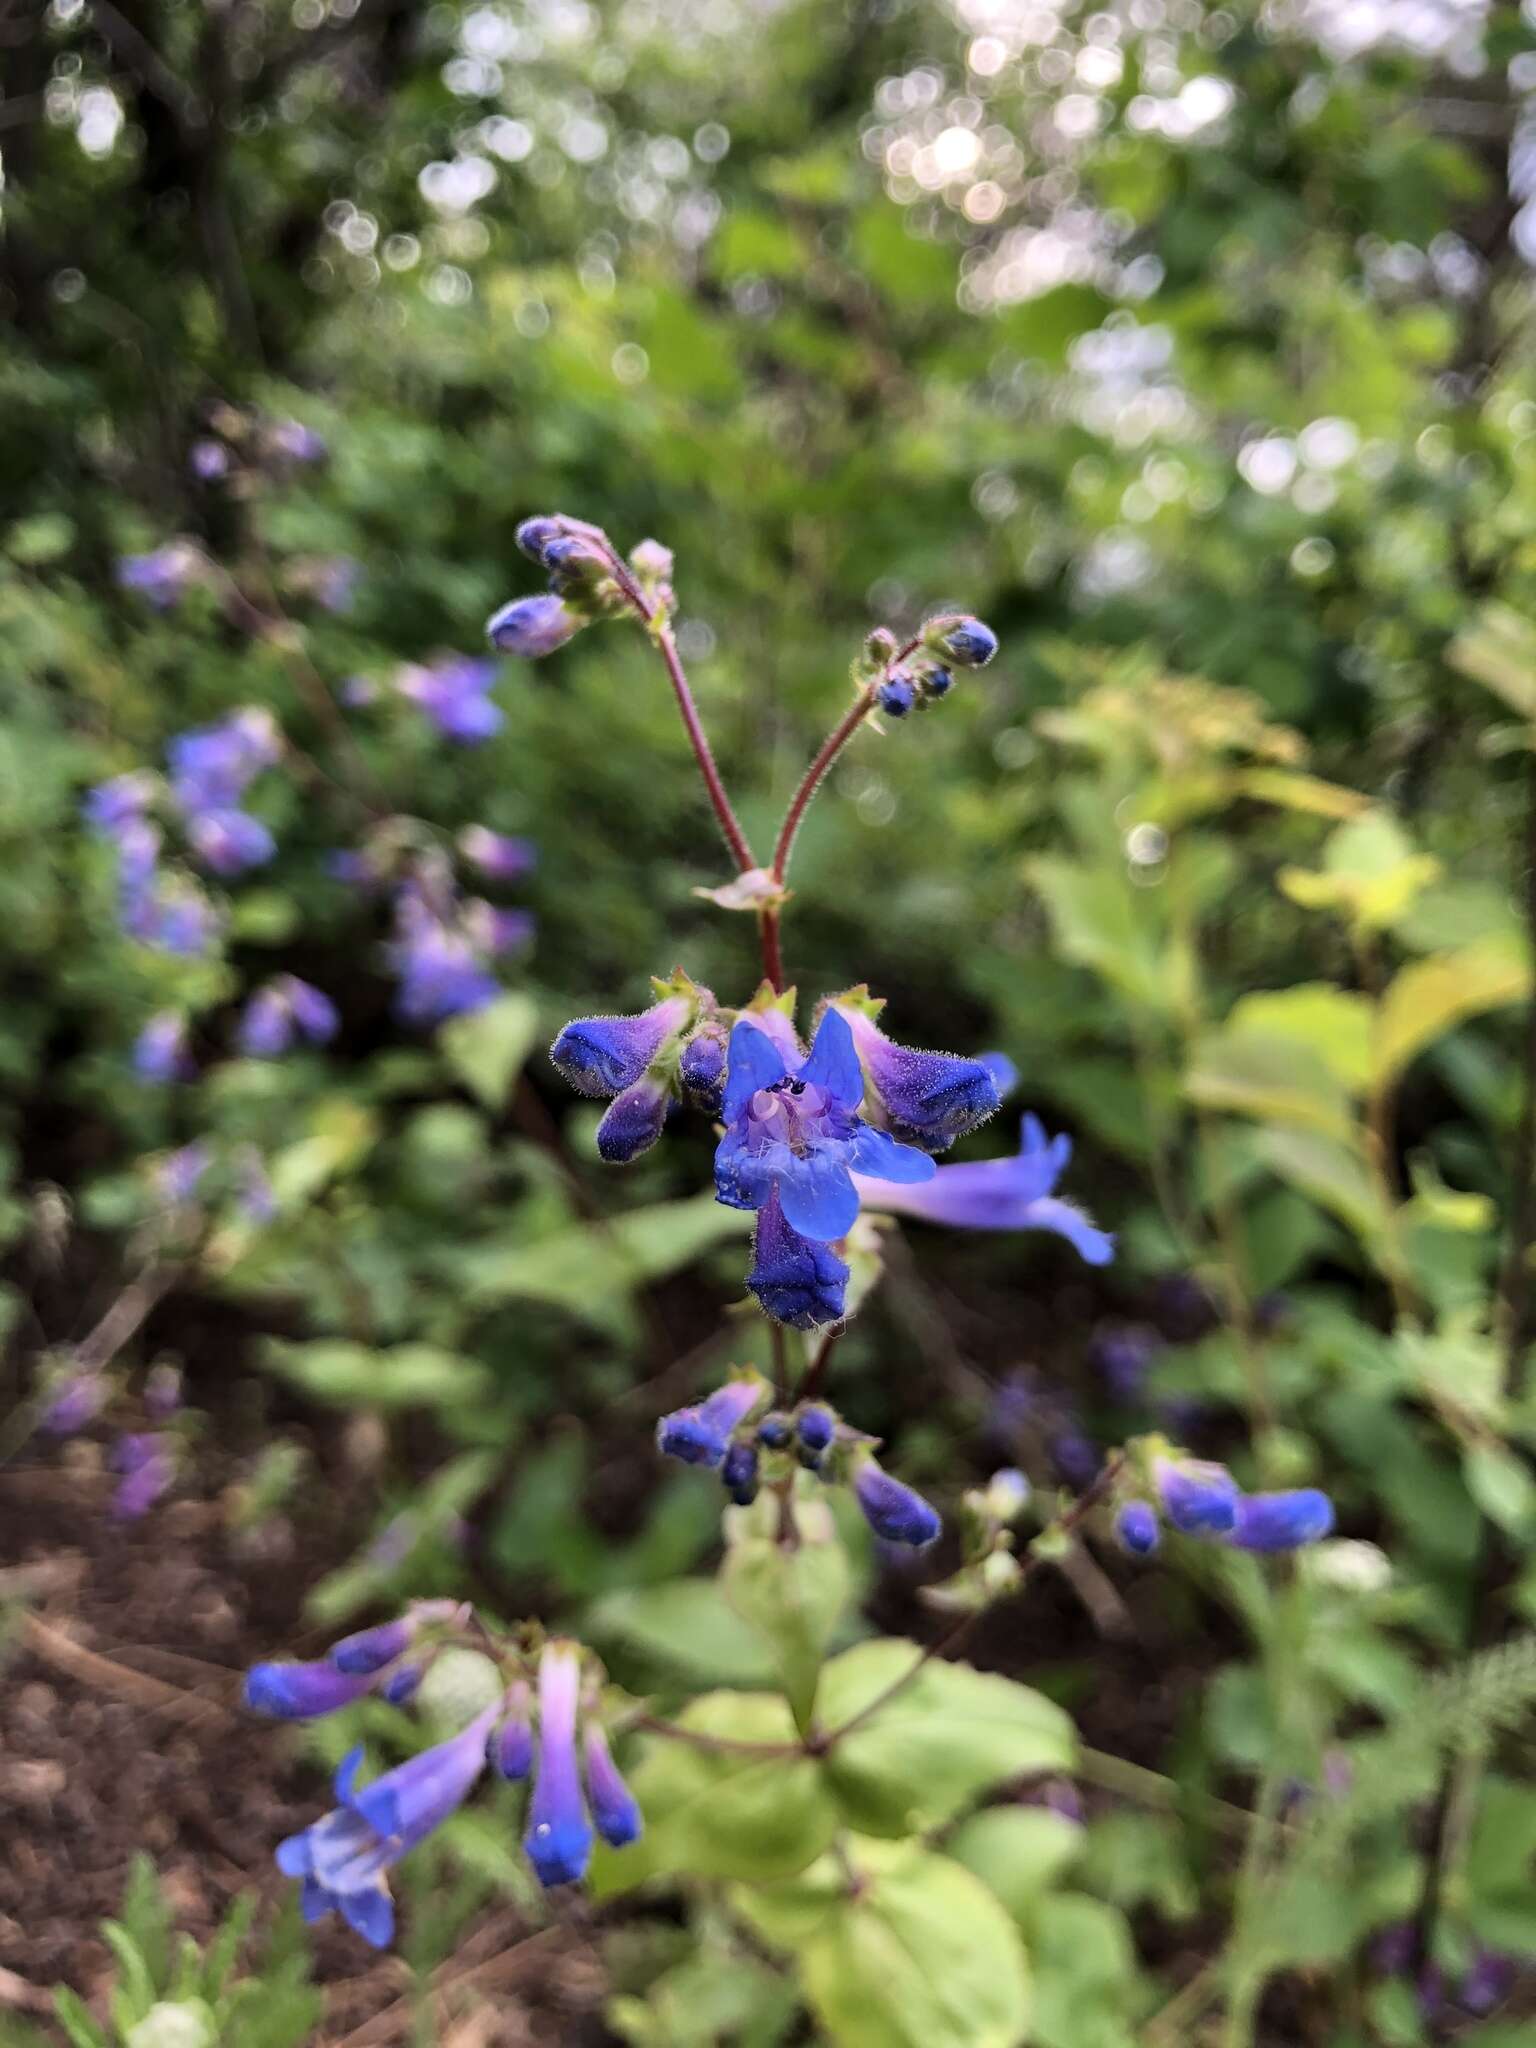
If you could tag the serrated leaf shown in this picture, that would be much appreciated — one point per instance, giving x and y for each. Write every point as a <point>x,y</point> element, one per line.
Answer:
<point>946,1736</point>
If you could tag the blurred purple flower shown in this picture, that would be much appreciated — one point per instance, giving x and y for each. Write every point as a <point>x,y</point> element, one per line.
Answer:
<point>148,1467</point>
<point>164,575</point>
<point>455,695</point>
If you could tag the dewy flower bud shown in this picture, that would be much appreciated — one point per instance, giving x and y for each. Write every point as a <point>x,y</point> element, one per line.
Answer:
<point>896,696</point>
<point>606,1055</point>
<point>633,1121</point>
<point>738,1474</point>
<point>1197,1497</point>
<point>966,642</point>
<point>700,1434</point>
<point>894,1511</point>
<point>559,1838</point>
<point>1136,1528</point>
<point>613,1804</point>
<point>1280,1521</point>
<point>532,626</point>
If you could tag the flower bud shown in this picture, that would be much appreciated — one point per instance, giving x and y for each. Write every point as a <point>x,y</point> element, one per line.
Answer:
<point>816,1428</point>
<point>532,626</point>
<point>1280,1521</point>
<point>738,1474</point>
<point>614,1809</point>
<point>965,641</point>
<point>535,535</point>
<point>896,696</point>
<point>699,1435</point>
<point>893,1510</point>
<point>1136,1528</point>
<point>633,1121</point>
<point>938,682</point>
<point>702,1068</point>
<point>1197,1497</point>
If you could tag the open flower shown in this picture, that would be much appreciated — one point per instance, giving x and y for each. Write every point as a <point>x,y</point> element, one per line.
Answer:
<point>343,1859</point>
<point>792,1130</point>
<point>796,1280</point>
<point>558,1840</point>
<point>998,1194</point>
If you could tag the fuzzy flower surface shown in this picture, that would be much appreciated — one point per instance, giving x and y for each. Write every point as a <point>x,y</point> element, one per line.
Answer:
<point>998,1194</point>
<point>793,1131</point>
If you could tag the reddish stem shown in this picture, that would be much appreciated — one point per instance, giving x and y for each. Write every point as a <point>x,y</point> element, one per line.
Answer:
<point>815,775</point>
<point>730,824</point>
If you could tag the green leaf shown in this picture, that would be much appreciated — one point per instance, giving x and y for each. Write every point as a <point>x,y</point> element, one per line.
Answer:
<point>1332,1174</point>
<point>1018,1852</point>
<point>1430,997</point>
<point>1498,650</point>
<point>920,1955</point>
<point>1102,923</point>
<point>76,2020</point>
<point>947,1735</point>
<point>1371,874</point>
<point>1500,1481</point>
<point>402,1376</point>
<point>1085,1973</point>
<point>1274,1080</point>
<point>1333,1024</point>
<point>489,1048</point>
<point>724,1812</point>
<point>795,1598</point>
<point>684,1630</point>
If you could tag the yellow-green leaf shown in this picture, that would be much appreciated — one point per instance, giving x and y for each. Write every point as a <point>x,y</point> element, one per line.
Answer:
<point>1431,996</point>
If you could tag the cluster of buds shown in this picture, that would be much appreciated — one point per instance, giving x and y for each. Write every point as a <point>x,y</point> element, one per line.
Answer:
<point>582,586</point>
<point>727,1434</point>
<point>912,678</point>
<point>543,1726</point>
<point>1197,1497</point>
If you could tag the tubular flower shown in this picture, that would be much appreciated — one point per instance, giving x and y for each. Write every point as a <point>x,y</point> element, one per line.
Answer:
<point>893,1510</point>
<point>342,1860</point>
<point>558,1841</point>
<point>927,1099</point>
<point>999,1194</point>
<point>1280,1521</point>
<point>796,1133</point>
<point>1136,1527</point>
<point>796,1280</point>
<point>606,1055</point>
<point>614,1808</point>
<point>532,626</point>
<point>302,1692</point>
<point>513,1747</point>
<point>1197,1498</point>
<point>700,1435</point>
<point>633,1121</point>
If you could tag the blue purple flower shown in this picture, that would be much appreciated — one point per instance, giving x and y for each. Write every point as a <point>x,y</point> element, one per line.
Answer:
<point>927,1099</point>
<point>1280,1521</point>
<point>302,1692</point>
<point>614,1807</point>
<point>228,842</point>
<point>212,766</point>
<point>606,1055</point>
<point>700,1434</point>
<point>342,1860</point>
<point>1137,1528</point>
<point>999,1194</point>
<point>118,801</point>
<point>533,626</point>
<point>164,575</point>
<point>179,1174</point>
<point>512,1751</point>
<point>442,972</point>
<point>796,1132</point>
<point>160,1050</point>
<point>558,1840</point>
<point>500,855</point>
<point>72,1401</point>
<point>1197,1497</point>
<point>965,641</point>
<point>797,1281</point>
<point>147,1462</point>
<point>455,694</point>
<point>893,1510</point>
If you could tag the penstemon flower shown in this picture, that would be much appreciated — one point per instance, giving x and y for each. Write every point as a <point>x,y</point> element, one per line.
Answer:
<point>558,1840</point>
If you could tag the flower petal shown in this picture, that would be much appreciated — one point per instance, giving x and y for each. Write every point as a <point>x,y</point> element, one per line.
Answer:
<point>818,1198</point>
<point>879,1155</point>
<point>753,1061</point>
<point>833,1063</point>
